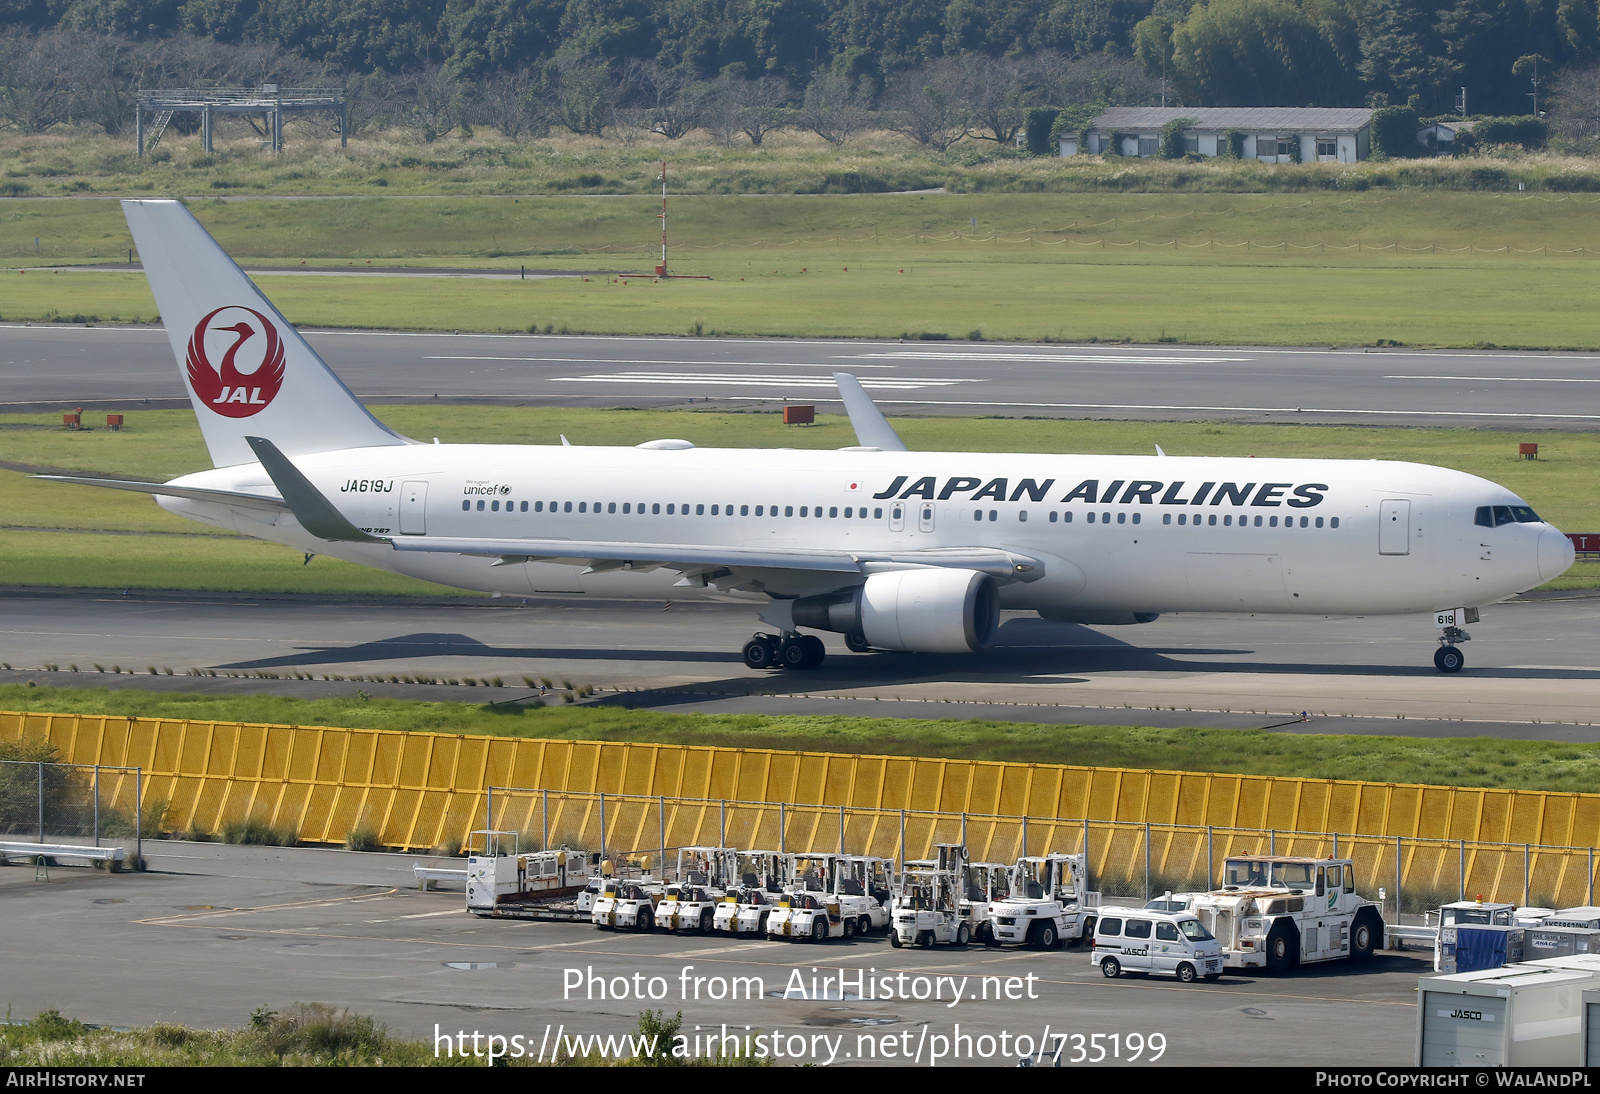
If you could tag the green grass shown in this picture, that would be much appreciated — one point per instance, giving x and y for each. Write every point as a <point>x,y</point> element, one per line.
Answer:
<point>1419,268</point>
<point>1525,765</point>
<point>61,535</point>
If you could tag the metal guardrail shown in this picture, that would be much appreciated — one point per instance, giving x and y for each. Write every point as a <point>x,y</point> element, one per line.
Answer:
<point>46,807</point>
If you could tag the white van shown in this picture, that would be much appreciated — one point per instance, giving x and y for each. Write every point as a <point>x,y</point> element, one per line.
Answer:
<point>1143,940</point>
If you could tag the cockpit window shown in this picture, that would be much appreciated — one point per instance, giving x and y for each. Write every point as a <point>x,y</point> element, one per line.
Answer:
<point>1490,516</point>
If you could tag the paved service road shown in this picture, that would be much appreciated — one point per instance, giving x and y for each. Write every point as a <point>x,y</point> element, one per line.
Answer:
<point>1531,669</point>
<point>212,933</point>
<point>45,366</point>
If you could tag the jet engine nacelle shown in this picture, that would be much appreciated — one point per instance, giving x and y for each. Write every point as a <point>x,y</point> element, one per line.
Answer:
<point>918,611</point>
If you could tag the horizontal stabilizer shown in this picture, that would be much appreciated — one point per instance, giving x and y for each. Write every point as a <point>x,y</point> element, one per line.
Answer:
<point>235,498</point>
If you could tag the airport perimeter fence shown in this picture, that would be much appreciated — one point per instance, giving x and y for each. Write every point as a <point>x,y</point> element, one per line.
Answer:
<point>1127,859</point>
<point>75,804</point>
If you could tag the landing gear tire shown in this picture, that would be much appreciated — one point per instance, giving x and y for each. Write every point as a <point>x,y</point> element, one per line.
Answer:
<point>760,652</point>
<point>815,651</point>
<point>857,643</point>
<point>792,654</point>
<point>1448,659</point>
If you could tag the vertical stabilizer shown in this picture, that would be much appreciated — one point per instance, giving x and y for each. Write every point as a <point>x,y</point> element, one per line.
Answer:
<point>247,370</point>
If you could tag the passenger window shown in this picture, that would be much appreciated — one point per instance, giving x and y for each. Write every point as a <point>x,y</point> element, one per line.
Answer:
<point>1272,522</point>
<point>833,510</point>
<point>1183,518</point>
<point>1112,927</point>
<point>656,508</point>
<point>583,507</point>
<point>611,507</point>
<point>1054,516</point>
<point>877,514</point>
<point>1305,522</point>
<point>1166,932</point>
<point>1090,518</point>
<point>627,507</point>
<point>803,510</point>
<point>1136,518</point>
<point>1066,518</point>
<point>480,505</point>
<point>1023,516</point>
<point>671,507</point>
<point>524,507</point>
<point>1213,521</point>
<point>466,505</point>
<point>788,511</point>
<point>1122,518</point>
<point>1166,518</point>
<point>1137,928</point>
<point>567,508</point>
<point>699,510</point>
<point>1319,522</point>
<point>1333,522</point>
<point>494,507</point>
<point>993,515</point>
<point>744,510</point>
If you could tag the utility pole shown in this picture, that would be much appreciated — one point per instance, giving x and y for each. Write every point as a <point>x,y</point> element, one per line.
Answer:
<point>661,270</point>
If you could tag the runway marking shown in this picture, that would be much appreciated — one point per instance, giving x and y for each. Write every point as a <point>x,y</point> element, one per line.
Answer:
<point>1507,379</point>
<point>632,361</point>
<point>1069,358</point>
<point>423,915</point>
<point>186,920</point>
<point>898,383</point>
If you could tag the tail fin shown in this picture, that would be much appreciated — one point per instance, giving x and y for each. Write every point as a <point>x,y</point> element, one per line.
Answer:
<point>247,370</point>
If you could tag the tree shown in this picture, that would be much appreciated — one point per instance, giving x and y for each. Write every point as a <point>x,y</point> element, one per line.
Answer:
<point>513,102</point>
<point>930,104</point>
<point>998,91</point>
<point>1257,53</point>
<point>835,108</point>
<point>36,91</point>
<point>1575,106</point>
<point>586,96</point>
<point>752,107</point>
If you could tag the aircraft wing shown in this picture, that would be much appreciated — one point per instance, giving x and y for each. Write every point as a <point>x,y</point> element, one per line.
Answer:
<point>612,555</point>
<point>236,498</point>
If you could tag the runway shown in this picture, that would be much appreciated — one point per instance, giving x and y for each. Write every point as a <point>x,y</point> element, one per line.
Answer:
<point>1531,669</point>
<point>46,366</point>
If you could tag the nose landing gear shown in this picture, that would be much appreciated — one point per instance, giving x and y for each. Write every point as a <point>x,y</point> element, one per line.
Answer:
<point>1448,658</point>
<point>792,651</point>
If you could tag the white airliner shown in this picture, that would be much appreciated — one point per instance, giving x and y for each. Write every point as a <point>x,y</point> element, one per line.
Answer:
<point>896,550</point>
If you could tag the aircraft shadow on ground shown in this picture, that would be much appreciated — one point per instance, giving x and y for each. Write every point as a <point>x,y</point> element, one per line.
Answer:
<point>1025,648</point>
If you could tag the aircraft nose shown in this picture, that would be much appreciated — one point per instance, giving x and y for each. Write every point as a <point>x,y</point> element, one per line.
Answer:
<point>1556,554</point>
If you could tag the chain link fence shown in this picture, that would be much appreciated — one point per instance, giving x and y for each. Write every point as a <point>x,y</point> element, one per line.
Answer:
<point>1126,859</point>
<point>43,802</point>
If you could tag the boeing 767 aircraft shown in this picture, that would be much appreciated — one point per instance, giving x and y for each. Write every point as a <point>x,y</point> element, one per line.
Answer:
<point>896,550</point>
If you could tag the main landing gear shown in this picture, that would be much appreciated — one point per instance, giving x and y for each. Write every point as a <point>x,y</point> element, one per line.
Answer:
<point>792,651</point>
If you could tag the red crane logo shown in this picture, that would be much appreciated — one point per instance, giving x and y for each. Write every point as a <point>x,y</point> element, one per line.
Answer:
<point>251,368</point>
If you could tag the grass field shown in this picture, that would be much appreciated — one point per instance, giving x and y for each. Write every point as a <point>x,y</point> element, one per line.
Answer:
<point>1530,765</point>
<point>1417,268</point>
<point>59,535</point>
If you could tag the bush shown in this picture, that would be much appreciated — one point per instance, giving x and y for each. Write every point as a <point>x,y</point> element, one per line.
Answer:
<point>1039,131</point>
<point>1394,133</point>
<point>362,838</point>
<point>256,832</point>
<point>316,1029</point>
<point>1528,132</point>
<point>1171,146</point>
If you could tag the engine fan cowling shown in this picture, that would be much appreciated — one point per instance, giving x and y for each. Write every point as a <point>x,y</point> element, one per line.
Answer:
<point>918,611</point>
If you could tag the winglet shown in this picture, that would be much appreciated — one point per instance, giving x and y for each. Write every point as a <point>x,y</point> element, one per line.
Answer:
<point>872,428</point>
<point>315,513</point>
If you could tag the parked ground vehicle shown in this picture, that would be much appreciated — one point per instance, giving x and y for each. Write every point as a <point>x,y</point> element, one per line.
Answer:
<point>763,877</point>
<point>864,888</point>
<point>1144,940</point>
<point>986,882</point>
<point>1048,902</point>
<point>927,909</point>
<point>702,878</point>
<point>1279,911</point>
<point>626,904</point>
<point>501,876</point>
<point>815,917</point>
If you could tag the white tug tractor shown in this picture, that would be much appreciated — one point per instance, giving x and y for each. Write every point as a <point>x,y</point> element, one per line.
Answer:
<point>927,910</point>
<point>1048,902</point>
<point>763,877</point>
<point>1276,912</point>
<point>626,903</point>
<point>704,875</point>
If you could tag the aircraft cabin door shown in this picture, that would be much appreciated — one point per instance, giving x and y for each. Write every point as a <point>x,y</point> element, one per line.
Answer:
<point>1394,528</point>
<point>925,513</point>
<point>413,505</point>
